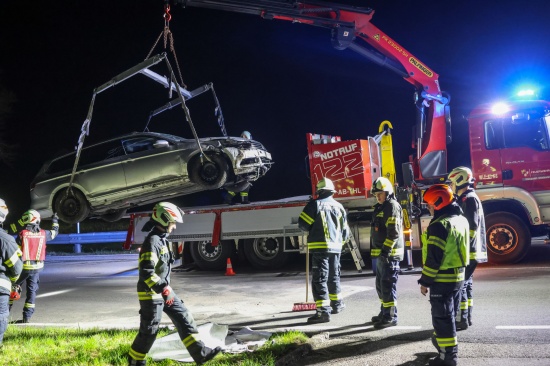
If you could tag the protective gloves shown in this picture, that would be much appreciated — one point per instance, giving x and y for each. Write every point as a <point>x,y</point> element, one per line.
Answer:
<point>384,257</point>
<point>168,295</point>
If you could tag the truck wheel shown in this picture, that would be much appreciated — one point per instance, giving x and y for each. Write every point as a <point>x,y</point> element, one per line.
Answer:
<point>508,238</point>
<point>265,253</point>
<point>71,208</point>
<point>211,173</point>
<point>210,257</point>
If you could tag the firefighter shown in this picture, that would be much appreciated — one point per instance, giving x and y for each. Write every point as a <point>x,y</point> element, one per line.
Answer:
<point>462,184</point>
<point>32,242</point>
<point>10,269</point>
<point>155,294</point>
<point>230,195</point>
<point>325,221</point>
<point>388,249</point>
<point>445,254</point>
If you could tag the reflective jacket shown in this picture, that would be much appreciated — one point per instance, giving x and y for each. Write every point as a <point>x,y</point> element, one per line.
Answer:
<point>11,265</point>
<point>387,230</point>
<point>473,211</point>
<point>325,221</point>
<point>445,250</point>
<point>32,242</point>
<point>155,259</point>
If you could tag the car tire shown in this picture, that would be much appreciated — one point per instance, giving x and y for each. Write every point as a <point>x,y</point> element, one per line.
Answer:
<point>211,173</point>
<point>71,208</point>
<point>209,257</point>
<point>113,216</point>
<point>265,253</point>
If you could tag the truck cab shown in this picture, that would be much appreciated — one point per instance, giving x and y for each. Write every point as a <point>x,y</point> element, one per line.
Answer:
<point>510,156</point>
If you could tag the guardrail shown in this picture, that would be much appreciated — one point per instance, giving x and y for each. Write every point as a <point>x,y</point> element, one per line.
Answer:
<point>89,238</point>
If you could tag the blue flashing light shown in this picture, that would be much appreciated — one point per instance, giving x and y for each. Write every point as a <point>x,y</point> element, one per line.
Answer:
<point>526,93</point>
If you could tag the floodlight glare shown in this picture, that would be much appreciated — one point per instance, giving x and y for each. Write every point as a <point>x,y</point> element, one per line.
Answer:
<point>526,93</point>
<point>500,108</point>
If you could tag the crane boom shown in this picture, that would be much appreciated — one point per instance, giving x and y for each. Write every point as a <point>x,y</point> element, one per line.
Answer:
<point>351,28</point>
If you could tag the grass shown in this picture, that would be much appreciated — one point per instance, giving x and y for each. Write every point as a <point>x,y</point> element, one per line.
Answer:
<point>26,346</point>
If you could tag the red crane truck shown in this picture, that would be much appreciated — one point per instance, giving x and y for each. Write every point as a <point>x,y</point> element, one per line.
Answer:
<point>509,151</point>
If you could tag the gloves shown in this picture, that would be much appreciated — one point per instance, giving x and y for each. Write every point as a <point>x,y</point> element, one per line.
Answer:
<point>15,292</point>
<point>384,257</point>
<point>168,295</point>
<point>55,219</point>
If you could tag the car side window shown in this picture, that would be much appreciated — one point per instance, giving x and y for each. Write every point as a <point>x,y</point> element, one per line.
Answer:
<point>138,144</point>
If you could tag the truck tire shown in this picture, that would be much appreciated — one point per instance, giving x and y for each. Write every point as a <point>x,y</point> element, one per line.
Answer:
<point>211,173</point>
<point>210,257</point>
<point>71,208</point>
<point>265,253</point>
<point>508,238</point>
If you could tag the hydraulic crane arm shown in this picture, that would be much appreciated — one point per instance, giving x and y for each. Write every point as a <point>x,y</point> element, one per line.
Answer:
<point>351,28</point>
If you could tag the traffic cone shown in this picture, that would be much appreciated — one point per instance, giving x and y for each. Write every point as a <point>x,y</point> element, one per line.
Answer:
<point>229,269</point>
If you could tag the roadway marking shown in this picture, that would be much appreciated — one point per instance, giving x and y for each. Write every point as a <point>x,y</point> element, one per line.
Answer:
<point>522,327</point>
<point>54,293</point>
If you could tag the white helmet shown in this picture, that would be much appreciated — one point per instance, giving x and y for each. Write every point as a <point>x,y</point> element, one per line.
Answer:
<point>382,184</point>
<point>461,177</point>
<point>246,135</point>
<point>325,184</point>
<point>165,212</point>
<point>3,210</point>
<point>30,217</point>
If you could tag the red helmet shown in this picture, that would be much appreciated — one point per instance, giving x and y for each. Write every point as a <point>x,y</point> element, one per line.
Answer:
<point>439,196</point>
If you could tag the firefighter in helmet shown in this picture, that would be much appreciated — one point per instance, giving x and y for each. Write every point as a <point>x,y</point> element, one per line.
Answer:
<point>325,220</point>
<point>10,269</point>
<point>230,195</point>
<point>155,294</point>
<point>445,255</point>
<point>32,242</point>
<point>387,247</point>
<point>462,184</point>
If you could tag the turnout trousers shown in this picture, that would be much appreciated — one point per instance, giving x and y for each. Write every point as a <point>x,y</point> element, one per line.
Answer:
<point>465,304</point>
<point>32,281</point>
<point>442,299</point>
<point>325,281</point>
<point>387,274</point>
<point>4,314</point>
<point>150,317</point>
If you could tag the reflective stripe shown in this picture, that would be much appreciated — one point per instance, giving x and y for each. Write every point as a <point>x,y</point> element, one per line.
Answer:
<point>13,259</point>
<point>438,242</point>
<point>430,272</point>
<point>375,253</point>
<point>391,220</point>
<point>151,281</point>
<point>447,342</point>
<point>321,303</point>
<point>189,340</point>
<point>148,256</point>
<point>28,265</point>
<point>137,355</point>
<point>463,305</point>
<point>149,295</point>
<point>308,219</point>
<point>29,305</point>
<point>450,277</point>
<point>335,297</point>
<point>388,304</point>
<point>470,303</point>
<point>5,283</point>
<point>478,255</point>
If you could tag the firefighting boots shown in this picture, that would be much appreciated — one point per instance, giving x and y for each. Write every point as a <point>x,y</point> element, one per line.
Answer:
<point>338,307</point>
<point>244,199</point>
<point>132,362</point>
<point>376,318</point>
<point>385,323</point>
<point>319,317</point>
<point>206,355</point>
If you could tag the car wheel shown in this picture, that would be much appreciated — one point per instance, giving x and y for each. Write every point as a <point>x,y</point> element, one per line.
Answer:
<point>209,173</point>
<point>265,253</point>
<point>113,216</point>
<point>72,207</point>
<point>210,257</point>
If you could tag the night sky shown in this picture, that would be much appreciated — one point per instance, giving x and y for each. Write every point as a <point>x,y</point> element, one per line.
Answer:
<point>276,79</point>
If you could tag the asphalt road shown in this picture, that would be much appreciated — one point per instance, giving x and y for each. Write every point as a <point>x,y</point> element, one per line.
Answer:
<point>511,316</point>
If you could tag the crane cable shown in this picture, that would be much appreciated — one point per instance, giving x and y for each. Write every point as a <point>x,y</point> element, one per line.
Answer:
<point>168,35</point>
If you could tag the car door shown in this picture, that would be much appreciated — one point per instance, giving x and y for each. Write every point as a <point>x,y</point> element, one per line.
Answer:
<point>152,165</point>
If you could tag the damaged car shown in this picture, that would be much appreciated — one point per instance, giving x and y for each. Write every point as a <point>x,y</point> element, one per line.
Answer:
<point>142,168</point>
